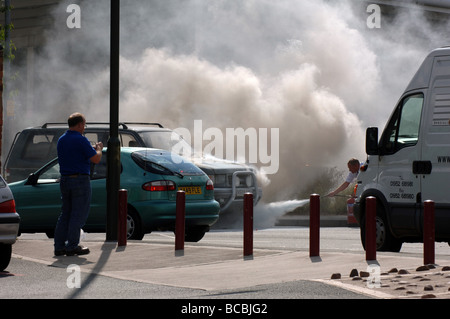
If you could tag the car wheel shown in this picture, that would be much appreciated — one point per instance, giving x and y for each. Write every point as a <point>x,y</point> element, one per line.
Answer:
<point>385,241</point>
<point>5,255</point>
<point>195,234</point>
<point>134,225</point>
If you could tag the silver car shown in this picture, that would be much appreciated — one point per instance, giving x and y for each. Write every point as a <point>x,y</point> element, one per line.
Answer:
<point>9,224</point>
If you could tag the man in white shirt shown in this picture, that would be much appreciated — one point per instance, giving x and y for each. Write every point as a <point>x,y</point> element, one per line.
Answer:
<point>353,167</point>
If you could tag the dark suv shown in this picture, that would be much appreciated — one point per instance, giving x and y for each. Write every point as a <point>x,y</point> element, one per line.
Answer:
<point>34,147</point>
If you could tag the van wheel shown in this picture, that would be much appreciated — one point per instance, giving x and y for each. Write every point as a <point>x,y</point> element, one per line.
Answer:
<point>385,241</point>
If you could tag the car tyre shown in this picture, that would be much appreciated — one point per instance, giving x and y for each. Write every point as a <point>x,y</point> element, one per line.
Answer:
<point>385,241</point>
<point>134,225</point>
<point>5,255</point>
<point>195,234</point>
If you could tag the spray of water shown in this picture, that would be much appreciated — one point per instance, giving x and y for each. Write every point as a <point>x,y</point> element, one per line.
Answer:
<point>266,214</point>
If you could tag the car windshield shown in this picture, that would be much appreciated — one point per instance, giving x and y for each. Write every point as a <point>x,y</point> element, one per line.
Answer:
<point>167,140</point>
<point>165,163</point>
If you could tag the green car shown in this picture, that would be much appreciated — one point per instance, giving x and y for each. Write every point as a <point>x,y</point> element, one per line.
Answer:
<point>151,177</point>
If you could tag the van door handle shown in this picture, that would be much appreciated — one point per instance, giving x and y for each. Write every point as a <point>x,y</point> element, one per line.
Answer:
<point>422,167</point>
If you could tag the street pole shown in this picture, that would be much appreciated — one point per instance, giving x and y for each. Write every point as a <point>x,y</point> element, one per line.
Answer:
<point>113,152</point>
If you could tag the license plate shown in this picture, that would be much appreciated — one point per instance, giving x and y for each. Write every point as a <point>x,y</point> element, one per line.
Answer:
<point>191,190</point>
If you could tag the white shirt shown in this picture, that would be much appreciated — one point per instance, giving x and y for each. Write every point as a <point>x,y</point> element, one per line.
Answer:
<point>351,177</point>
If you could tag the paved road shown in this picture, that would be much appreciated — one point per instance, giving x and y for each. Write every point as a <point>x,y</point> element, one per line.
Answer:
<point>214,268</point>
<point>332,239</point>
<point>30,276</point>
<point>28,279</point>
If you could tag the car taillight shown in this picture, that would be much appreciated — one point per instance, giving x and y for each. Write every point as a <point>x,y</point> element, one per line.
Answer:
<point>209,185</point>
<point>8,207</point>
<point>159,186</point>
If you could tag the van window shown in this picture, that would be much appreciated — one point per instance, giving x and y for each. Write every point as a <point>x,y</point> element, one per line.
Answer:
<point>403,128</point>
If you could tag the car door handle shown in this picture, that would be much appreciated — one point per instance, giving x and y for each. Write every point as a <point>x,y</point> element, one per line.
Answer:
<point>422,167</point>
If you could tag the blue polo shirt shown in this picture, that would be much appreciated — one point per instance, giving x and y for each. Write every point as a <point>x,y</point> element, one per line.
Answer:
<point>74,153</point>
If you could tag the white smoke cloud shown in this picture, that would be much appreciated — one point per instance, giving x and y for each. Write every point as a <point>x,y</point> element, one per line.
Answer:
<point>310,68</point>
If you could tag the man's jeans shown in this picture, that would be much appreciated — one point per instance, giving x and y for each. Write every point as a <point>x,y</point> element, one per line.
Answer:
<point>76,199</point>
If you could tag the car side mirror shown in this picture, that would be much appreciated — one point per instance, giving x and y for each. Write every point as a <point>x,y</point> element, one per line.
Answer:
<point>32,179</point>
<point>372,141</point>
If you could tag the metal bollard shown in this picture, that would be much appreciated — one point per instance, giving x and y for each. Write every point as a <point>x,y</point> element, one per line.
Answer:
<point>428,232</point>
<point>248,224</point>
<point>180,220</point>
<point>122,222</point>
<point>314,225</point>
<point>371,228</point>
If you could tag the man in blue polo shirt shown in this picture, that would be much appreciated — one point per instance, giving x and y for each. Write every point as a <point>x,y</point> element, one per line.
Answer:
<point>75,154</point>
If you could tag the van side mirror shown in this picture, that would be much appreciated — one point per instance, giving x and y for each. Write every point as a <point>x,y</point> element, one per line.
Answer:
<point>372,141</point>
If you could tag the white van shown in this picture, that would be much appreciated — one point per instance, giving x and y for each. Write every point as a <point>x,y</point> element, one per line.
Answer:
<point>410,163</point>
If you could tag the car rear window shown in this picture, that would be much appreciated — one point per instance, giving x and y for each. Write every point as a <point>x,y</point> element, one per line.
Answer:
<point>164,163</point>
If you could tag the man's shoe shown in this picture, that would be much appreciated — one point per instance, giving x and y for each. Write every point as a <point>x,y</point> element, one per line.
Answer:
<point>79,250</point>
<point>61,252</point>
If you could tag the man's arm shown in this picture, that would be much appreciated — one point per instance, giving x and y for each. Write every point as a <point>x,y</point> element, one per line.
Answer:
<point>97,157</point>
<point>339,189</point>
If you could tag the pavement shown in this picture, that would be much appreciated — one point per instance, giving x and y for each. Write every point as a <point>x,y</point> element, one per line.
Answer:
<point>214,268</point>
<point>325,221</point>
